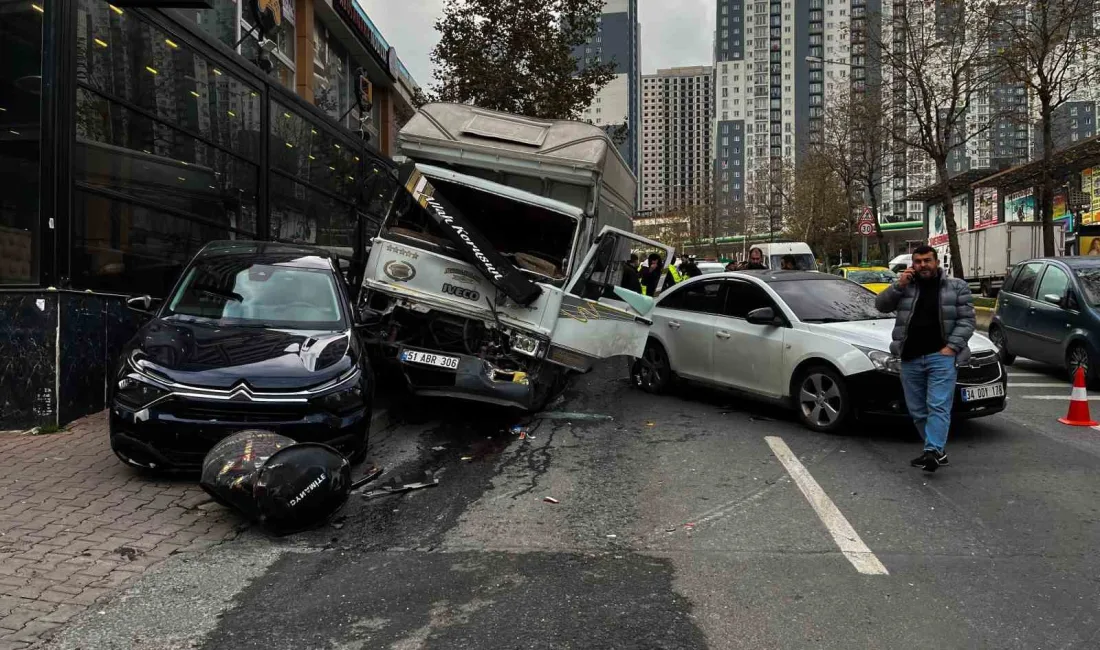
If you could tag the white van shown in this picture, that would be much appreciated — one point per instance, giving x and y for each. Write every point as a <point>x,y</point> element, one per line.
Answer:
<point>774,253</point>
<point>900,263</point>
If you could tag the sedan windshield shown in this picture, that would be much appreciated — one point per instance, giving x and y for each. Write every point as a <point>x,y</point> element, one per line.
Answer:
<point>872,277</point>
<point>238,292</point>
<point>828,300</point>
<point>1089,277</point>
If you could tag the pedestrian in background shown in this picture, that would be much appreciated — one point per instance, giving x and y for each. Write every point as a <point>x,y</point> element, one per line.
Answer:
<point>651,274</point>
<point>756,260</point>
<point>935,319</point>
<point>632,279</point>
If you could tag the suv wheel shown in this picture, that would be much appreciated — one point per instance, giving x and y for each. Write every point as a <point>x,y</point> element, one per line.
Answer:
<point>1000,341</point>
<point>821,399</point>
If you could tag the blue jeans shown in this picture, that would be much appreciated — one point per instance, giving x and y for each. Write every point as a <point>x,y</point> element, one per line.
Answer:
<point>929,385</point>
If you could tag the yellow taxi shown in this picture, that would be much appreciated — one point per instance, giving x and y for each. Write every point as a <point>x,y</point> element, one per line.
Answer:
<point>875,278</point>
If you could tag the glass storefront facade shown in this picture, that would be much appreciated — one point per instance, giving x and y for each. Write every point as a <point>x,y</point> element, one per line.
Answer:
<point>175,142</point>
<point>21,31</point>
<point>130,138</point>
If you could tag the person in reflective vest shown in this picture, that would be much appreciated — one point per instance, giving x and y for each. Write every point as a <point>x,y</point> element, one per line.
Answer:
<point>674,275</point>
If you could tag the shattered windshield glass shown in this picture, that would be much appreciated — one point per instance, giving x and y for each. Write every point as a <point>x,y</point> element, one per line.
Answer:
<point>533,238</point>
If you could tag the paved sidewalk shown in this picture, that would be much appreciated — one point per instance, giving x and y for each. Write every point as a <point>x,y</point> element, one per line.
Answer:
<point>76,524</point>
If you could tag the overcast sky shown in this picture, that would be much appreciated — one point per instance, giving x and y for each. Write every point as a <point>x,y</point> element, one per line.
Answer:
<point>678,33</point>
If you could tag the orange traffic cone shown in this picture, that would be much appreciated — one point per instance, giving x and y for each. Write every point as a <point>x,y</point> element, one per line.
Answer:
<point>1078,415</point>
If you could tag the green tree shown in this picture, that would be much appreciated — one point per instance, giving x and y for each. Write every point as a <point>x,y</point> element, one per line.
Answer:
<point>517,56</point>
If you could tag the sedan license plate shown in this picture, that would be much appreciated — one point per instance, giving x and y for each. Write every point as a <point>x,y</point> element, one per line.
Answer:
<point>430,359</point>
<point>989,391</point>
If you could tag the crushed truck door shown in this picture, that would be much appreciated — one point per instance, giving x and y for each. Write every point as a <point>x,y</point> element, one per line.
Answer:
<point>594,322</point>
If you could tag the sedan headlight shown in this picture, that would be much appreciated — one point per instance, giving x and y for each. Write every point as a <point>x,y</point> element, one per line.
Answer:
<point>883,361</point>
<point>137,394</point>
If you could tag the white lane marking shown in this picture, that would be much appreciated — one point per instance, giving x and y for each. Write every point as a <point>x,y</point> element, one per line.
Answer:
<point>1013,384</point>
<point>1052,397</point>
<point>843,534</point>
<point>1025,373</point>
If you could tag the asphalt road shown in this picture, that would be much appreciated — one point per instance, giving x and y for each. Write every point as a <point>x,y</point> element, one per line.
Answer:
<point>677,525</point>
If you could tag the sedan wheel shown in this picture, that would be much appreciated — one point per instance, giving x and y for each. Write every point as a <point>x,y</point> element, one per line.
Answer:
<point>822,399</point>
<point>652,373</point>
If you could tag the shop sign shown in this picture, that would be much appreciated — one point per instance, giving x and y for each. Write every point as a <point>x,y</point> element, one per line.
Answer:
<point>985,207</point>
<point>1090,184</point>
<point>937,220</point>
<point>359,23</point>
<point>1020,206</point>
<point>268,14</point>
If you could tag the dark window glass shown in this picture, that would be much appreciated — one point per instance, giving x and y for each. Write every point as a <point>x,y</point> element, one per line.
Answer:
<point>124,151</point>
<point>220,21</point>
<point>1089,279</point>
<point>20,120</point>
<point>744,297</point>
<point>1026,278</point>
<point>702,297</point>
<point>310,153</point>
<point>1055,282</point>
<point>828,300</point>
<point>123,57</point>
<point>304,215</point>
<point>126,248</point>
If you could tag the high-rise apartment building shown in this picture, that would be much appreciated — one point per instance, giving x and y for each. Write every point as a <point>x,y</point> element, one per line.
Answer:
<point>779,63</point>
<point>618,103</point>
<point>676,154</point>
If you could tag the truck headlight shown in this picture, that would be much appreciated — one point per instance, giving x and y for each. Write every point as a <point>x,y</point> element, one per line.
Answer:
<point>883,361</point>
<point>524,344</point>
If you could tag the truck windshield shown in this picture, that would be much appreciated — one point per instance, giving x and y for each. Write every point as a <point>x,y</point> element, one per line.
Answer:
<point>533,238</point>
<point>1089,278</point>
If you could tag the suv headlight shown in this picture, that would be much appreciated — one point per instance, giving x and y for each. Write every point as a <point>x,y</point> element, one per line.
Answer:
<point>344,400</point>
<point>883,361</point>
<point>137,394</point>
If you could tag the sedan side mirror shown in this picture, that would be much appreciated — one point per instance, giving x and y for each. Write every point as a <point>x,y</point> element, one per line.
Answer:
<point>1053,299</point>
<point>141,304</point>
<point>763,316</point>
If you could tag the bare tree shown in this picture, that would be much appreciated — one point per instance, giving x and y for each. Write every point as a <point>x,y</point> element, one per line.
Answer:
<point>816,205</point>
<point>939,58</point>
<point>1042,42</point>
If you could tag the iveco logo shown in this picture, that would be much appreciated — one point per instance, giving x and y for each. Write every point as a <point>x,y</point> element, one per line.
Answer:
<point>461,292</point>
<point>400,271</point>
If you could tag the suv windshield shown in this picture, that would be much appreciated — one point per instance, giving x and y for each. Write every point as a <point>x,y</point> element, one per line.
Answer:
<point>1089,277</point>
<point>831,300</point>
<point>239,292</point>
<point>872,277</point>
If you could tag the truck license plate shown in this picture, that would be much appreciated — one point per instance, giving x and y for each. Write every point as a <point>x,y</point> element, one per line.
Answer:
<point>430,359</point>
<point>989,391</point>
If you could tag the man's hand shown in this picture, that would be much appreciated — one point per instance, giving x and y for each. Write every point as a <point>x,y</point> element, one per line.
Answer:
<point>906,277</point>
<point>947,352</point>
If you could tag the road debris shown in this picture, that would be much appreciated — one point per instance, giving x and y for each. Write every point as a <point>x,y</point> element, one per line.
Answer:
<point>394,488</point>
<point>568,415</point>
<point>550,500</point>
<point>651,424</point>
<point>467,458</point>
<point>439,448</point>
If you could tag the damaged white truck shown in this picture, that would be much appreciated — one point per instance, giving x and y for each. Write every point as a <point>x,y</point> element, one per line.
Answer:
<point>500,267</point>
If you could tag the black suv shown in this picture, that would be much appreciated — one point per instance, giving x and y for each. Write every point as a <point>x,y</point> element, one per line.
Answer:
<point>255,335</point>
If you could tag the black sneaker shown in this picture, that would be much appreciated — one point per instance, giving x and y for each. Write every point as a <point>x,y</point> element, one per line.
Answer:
<point>930,461</point>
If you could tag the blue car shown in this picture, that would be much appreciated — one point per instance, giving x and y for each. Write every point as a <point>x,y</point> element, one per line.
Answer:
<point>1047,310</point>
